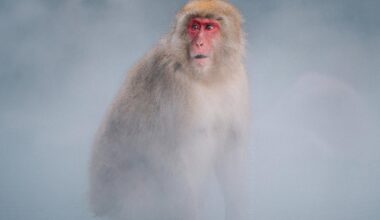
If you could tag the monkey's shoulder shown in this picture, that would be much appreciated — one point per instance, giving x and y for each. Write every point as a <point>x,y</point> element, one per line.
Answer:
<point>155,69</point>
<point>150,85</point>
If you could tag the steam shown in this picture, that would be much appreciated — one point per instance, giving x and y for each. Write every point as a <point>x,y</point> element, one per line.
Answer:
<point>314,73</point>
<point>316,117</point>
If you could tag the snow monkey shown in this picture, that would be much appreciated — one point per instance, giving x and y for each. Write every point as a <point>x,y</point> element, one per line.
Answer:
<point>181,115</point>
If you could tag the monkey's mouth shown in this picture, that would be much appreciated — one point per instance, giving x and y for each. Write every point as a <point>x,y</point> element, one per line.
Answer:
<point>200,56</point>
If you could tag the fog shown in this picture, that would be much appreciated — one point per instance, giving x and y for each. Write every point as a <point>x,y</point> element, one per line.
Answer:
<point>314,71</point>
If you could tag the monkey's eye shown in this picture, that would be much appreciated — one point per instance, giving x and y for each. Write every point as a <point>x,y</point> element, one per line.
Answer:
<point>210,27</point>
<point>195,26</point>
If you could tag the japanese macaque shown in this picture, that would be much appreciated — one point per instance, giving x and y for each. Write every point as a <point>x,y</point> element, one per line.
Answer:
<point>181,115</point>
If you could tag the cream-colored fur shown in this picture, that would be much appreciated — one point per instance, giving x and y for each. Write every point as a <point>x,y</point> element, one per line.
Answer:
<point>171,126</point>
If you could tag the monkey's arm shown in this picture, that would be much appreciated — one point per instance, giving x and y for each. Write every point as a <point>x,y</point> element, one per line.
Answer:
<point>232,171</point>
<point>103,192</point>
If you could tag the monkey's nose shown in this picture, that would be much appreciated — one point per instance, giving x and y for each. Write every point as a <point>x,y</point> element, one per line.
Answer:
<point>199,44</point>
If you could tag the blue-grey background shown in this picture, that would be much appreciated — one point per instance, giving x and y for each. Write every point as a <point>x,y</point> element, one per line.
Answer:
<point>314,68</point>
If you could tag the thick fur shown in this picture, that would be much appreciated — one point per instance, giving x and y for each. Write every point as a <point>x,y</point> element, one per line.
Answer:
<point>171,125</point>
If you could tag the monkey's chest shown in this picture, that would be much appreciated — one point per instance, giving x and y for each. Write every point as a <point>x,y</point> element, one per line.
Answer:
<point>214,112</point>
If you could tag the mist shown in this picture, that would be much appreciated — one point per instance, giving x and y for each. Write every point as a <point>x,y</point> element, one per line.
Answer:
<point>314,71</point>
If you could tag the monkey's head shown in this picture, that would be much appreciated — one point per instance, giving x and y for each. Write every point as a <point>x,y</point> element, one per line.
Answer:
<point>208,32</point>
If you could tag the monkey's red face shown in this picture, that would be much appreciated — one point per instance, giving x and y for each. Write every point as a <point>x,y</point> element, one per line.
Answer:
<point>203,33</point>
